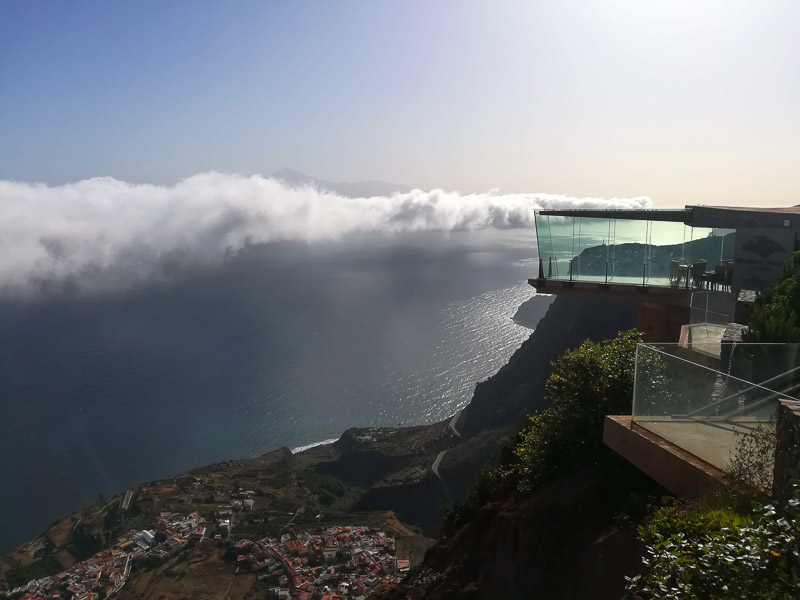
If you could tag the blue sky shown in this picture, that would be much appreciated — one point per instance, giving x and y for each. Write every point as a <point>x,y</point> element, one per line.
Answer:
<point>681,101</point>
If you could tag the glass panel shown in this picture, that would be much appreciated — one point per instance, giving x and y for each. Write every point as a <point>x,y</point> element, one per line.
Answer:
<point>706,411</point>
<point>667,264</point>
<point>593,243</point>
<point>712,308</point>
<point>710,258</point>
<point>635,252</point>
<point>556,242</point>
<point>629,251</point>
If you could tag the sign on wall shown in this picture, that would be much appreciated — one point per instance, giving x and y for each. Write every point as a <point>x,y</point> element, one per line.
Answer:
<point>759,256</point>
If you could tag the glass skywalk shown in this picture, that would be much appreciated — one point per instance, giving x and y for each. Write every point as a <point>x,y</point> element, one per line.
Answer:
<point>657,250</point>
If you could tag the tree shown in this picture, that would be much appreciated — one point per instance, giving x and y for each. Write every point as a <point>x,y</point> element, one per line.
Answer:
<point>586,385</point>
<point>776,313</point>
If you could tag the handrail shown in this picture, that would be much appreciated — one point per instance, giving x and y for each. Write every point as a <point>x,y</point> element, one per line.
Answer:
<point>756,405</point>
<point>752,386</point>
<point>698,365</point>
<point>753,406</point>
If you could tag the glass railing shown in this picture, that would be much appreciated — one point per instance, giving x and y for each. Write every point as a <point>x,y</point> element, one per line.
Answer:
<point>712,308</point>
<point>710,314</point>
<point>608,250</point>
<point>680,395</point>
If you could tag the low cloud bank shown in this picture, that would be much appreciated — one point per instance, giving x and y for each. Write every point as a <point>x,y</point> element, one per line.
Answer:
<point>104,234</point>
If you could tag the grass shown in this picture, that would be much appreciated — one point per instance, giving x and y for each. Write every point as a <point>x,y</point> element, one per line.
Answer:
<point>333,494</point>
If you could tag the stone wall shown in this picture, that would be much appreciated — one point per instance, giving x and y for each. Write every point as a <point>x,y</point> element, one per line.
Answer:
<point>787,450</point>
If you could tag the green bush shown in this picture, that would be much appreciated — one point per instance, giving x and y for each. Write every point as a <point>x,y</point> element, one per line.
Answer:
<point>49,565</point>
<point>141,520</point>
<point>460,513</point>
<point>148,563</point>
<point>719,555</point>
<point>586,385</point>
<point>669,520</point>
<point>776,313</point>
<point>752,458</point>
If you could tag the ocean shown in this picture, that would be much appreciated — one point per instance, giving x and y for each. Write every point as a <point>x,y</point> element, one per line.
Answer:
<point>282,345</point>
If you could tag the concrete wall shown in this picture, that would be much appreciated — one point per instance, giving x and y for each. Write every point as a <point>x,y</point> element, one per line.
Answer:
<point>661,322</point>
<point>677,470</point>
<point>759,256</point>
<point>787,450</point>
<point>764,240</point>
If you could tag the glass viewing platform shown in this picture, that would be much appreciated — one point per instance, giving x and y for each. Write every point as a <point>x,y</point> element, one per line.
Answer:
<point>707,412</point>
<point>655,249</point>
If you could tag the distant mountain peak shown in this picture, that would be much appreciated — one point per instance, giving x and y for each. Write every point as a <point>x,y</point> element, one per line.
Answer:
<point>288,175</point>
<point>354,189</point>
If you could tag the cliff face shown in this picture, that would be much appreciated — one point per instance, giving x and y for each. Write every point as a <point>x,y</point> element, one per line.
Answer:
<point>574,538</point>
<point>500,404</point>
<point>516,390</point>
<point>395,465</point>
<point>566,541</point>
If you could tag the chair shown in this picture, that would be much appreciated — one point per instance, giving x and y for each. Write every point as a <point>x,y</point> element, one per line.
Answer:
<point>697,270</point>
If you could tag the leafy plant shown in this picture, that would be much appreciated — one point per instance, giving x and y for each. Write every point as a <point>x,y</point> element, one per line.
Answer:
<point>752,459</point>
<point>691,521</point>
<point>749,561</point>
<point>36,570</point>
<point>776,313</point>
<point>458,514</point>
<point>587,384</point>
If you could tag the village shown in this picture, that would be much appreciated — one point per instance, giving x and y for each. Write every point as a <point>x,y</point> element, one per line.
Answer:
<point>331,563</point>
<point>338,563</point>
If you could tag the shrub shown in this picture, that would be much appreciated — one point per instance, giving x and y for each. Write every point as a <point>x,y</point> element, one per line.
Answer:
<point>586,385</point>
<point>670,520</point>
<point>458,514</point>
<point>715,556</point>
<point>148,563</point>
<point>752,459</point>
<point>776,313</point>
<point>49,565</point>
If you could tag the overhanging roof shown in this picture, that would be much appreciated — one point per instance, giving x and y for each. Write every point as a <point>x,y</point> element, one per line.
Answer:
<point>680,215</point>
<point>695,216</point>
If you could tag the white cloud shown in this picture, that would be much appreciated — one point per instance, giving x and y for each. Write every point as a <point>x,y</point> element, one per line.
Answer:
<point>103,233</point>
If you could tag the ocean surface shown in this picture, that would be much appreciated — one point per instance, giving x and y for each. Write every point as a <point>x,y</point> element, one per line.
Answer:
<point>282,345</point>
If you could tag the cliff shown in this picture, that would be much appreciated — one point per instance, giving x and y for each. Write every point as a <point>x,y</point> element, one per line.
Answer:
<point>395,465</point>
<point>575,538</point>
<point>516,389</point>
<point>417,472</point>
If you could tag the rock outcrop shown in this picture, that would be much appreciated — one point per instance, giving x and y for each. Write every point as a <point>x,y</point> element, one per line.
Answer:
<point>573,539</point>
<point>516,390</point>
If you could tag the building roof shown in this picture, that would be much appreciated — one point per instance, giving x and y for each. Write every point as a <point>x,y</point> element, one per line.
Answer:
<point>795,210</point>
<point>695,216</point>
<point>651,214</point>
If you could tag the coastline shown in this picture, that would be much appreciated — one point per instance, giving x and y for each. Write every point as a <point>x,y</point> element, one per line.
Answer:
<point>299,449</point>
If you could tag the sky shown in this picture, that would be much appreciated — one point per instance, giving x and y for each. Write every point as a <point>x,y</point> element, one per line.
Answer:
<point>683,102</point>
